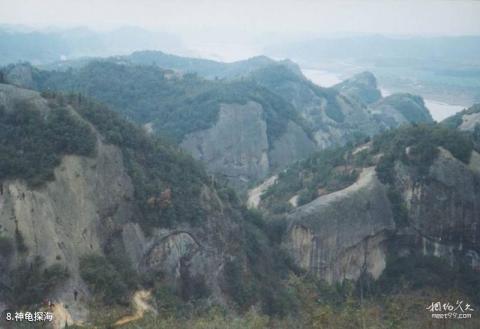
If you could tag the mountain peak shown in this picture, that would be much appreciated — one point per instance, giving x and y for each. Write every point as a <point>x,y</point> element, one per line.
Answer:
<point>366,78</point>
<point>361,87</point>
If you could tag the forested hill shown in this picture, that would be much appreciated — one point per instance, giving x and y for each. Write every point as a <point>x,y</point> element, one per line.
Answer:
<point>174,104</point>
<point>120,210</point>
<point>206,68</point>
<point>242,128</point>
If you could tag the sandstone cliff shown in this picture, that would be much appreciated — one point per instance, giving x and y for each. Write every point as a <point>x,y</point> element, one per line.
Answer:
<point>361,87</point>
<point>423,210</point>
<point>237,146</point>
<point>91,206</point>
<point>339,235</point>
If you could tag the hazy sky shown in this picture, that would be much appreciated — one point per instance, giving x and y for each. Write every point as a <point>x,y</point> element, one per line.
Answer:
<point>235,29</point>
<point>253,16</point>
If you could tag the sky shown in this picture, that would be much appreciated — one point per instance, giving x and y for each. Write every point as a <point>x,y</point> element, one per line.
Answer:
<point>253,17</point>
<point>241,28</point>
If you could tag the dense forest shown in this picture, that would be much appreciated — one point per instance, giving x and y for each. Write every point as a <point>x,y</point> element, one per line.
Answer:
<point>175,104</point>
<point>32,143</point>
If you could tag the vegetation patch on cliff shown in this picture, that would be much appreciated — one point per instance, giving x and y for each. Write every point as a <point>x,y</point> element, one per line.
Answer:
<point>417,146</point>
<point>29,282</point>
<point>324,172</point>
<point>32,143</point>
<point>167,181</point>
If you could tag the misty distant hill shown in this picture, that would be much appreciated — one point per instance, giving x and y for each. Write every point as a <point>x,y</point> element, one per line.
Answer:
<point>205,68</point>
<point>382,49</point>
<point>52,45</point>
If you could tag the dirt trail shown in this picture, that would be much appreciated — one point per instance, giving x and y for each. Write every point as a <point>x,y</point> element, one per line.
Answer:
<point>140,305</point>
<point>61,316</point>
<point>255,194</point>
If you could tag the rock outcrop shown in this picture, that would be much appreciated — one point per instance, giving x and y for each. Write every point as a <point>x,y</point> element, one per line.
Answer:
<point>89,208</point>
<point>339,235</point>
<point>400,109</point>
<point>466,120</point>
<point>417,208</point>
<point>72,216</point>
<point>237,146</point>
<point>343,112</point>
<point>444,210</point>
<point>361,87</point>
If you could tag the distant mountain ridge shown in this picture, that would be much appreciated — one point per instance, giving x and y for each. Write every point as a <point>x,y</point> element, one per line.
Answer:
<point>206,68</point>
<point>53,45</point>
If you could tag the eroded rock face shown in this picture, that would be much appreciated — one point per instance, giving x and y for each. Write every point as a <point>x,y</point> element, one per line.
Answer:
<point>341,113</point>
<point>444,209</point>
<point>361,87</point>
<point>398,109</point>
<point>470,121</point>
<point>236,146</point>
<point>71,216</point>
<point>333,117</point>
<point>294,144</point>
<point>338,235</point>
<point>90,208</point>
<point>169,252</point>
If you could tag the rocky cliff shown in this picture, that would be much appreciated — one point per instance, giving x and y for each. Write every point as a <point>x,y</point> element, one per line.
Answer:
<point>444,209</point>
<point>91,205</point>
<point>350,109</point>
<point>341,234</point>
<point>400,109</point>
<point>362,87</point>
<point>395,208</point>
<point>238,147</point>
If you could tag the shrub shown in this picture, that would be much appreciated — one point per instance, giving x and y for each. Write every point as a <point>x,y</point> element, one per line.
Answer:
<point>103,279</point>
<point>423,142</point>
<point>306,196</point>
<point>31,282</point>
<point>154,166</point>
<point>235,283</point>
<point>168,302</point>
<point>31,144</point>
<point>329,169</point>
